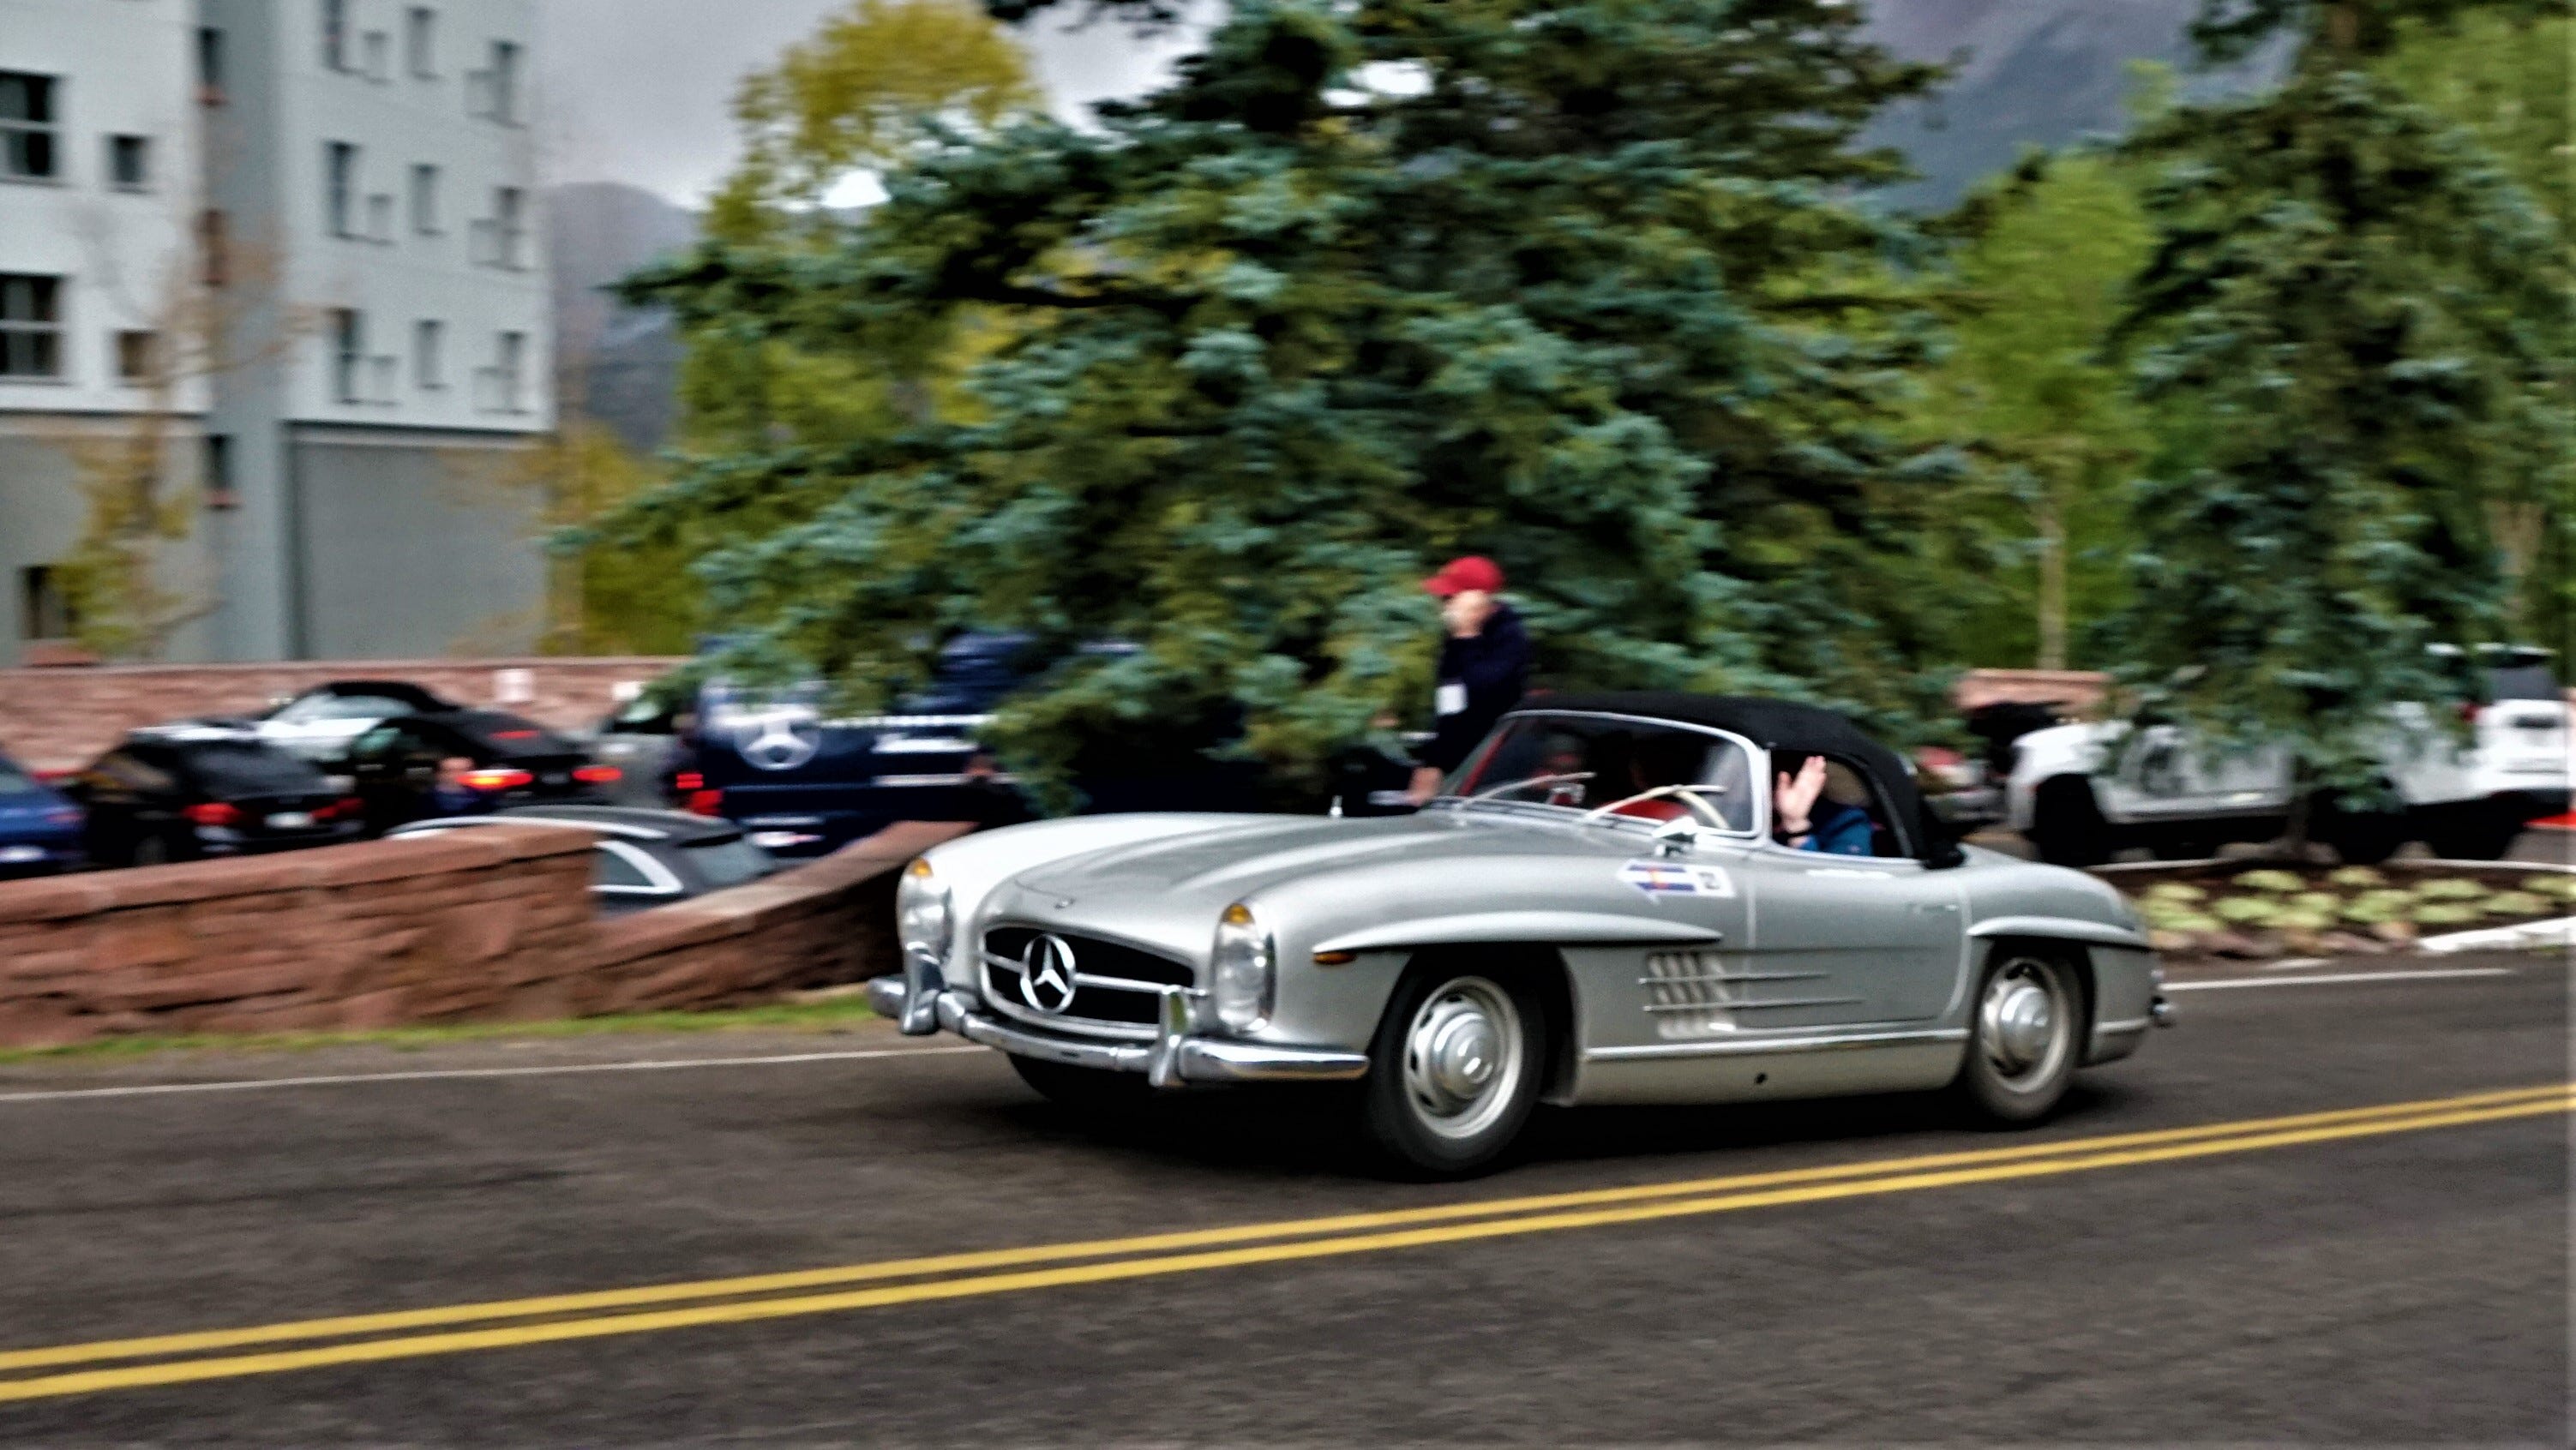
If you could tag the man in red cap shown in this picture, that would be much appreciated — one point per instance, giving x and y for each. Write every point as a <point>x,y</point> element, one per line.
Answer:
<point>1484,664</point>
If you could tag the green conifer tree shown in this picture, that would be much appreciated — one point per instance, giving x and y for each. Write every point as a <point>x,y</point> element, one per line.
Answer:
<point>2352,336</point>
<point>1581,286</point>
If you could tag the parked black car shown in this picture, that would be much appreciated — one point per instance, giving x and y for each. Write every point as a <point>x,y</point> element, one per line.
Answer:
<point>185,793</point>
<point>466,762</point>
<point>640,857</point>
<point>321,723</point>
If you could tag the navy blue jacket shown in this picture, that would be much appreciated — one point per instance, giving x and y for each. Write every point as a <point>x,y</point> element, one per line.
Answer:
<point>1483,677</point>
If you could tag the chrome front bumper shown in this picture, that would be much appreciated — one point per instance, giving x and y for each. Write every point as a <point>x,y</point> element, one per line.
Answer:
<point>920,1003</point>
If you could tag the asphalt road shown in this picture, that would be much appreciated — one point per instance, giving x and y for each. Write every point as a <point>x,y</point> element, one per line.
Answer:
<point>2336,1279</point>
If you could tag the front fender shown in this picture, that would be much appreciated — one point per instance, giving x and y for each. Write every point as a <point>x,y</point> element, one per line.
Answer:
<point>2062,928</point>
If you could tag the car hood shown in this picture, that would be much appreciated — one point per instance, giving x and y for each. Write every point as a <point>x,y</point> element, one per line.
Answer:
<point>1238,858</point>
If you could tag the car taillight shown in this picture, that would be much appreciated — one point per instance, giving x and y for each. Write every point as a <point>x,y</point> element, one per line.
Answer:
<point>212,813</point>
<point>597,774</point>
<point>689,782</point>
<point>345,806</point>
<point>496,779</point>
<point>2470,710</point>
<point>706,803</point>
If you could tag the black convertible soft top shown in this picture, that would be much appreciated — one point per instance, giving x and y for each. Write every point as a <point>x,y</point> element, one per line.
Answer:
<point>1784,725</point>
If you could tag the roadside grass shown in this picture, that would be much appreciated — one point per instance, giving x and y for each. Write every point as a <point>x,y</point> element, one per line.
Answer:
<point>827,1015</point>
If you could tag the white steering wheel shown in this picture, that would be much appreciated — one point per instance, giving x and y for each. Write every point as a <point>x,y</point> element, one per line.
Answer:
<point>1688,795</point>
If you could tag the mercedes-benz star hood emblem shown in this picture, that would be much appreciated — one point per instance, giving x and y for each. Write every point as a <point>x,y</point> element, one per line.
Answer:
<point>1046,973</point>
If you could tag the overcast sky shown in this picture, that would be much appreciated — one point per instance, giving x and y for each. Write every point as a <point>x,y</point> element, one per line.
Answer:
<point>639,91</point>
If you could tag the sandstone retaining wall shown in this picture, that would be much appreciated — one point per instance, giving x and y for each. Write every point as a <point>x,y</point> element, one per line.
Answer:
<point>57,719</point>
<point>495,924</point>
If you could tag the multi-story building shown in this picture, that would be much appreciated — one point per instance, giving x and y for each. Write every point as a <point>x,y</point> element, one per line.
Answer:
<point>99,186</point>
<point>360,209</point>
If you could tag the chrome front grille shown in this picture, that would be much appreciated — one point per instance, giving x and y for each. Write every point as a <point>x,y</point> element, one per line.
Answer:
<point>1117,987</point>
<point>1693,994</point>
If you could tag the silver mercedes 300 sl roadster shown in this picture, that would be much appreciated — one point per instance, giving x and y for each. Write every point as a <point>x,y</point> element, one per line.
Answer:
<point>1598,910</point>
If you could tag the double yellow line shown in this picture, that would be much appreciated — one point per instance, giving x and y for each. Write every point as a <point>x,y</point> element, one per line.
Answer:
<point>29,1374</point>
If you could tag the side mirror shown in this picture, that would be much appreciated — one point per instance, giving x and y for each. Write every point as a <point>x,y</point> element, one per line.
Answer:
<point>1674,837</point>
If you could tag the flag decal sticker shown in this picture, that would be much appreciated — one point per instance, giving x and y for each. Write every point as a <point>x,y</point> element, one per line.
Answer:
<point>1672,878</point>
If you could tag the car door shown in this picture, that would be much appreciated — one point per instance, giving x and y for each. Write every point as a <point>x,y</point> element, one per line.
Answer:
<point>1860,939</point>
<point>2162,774</point>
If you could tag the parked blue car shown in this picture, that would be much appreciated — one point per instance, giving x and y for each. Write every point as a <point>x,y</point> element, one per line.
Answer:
<point>40,831</point>
<point>801,783</point>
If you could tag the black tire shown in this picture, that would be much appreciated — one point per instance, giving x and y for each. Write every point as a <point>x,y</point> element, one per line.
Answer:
<point>1456,1067</point>
<point>2361,838</point>
<point>2023,1051</point>
<point>2192,849</point>
<point>2474,835</point>
<point>2066,825</point>
<point>1086,1089</point>
<point>152,849</point>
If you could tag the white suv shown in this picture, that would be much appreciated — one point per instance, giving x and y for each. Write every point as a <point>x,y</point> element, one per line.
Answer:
<point>2083,793</point>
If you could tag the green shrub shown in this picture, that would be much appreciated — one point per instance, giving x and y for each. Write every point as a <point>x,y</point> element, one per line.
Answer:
<point>2275,881</point>
<point>2516,903</point>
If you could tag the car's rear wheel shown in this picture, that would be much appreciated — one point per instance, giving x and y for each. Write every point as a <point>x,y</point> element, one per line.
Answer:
<point>1455,1070</point>
<point>150,849</point>
<point>2025,1037</point>
<point>1083,1088</point>
<point>2482,834</point>
<point>2066,826</point>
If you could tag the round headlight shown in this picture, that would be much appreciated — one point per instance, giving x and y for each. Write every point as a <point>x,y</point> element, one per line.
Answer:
<point>921,912</point>
<point>1240,970</point>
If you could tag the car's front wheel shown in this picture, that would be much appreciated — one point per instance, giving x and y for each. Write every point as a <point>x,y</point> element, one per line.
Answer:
<point>1455,1070</point>
<point>2026,1037</point>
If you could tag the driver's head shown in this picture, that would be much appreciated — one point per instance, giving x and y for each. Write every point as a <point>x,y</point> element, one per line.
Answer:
<point>1669,759</point>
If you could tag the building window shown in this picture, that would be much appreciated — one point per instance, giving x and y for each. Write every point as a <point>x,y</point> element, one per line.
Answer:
<point>44,610</point>
<point>379,56</point>
<point>420,42</point>
<point>509,226</point>
<point>335,34</point>
<point>498,85</point>
<point>219,473</point>
<point>380,218</point>
<point>214,246</point>
<point>26,126</point>
<point>348,353</point>
<point>31,326</point>
<point>210,66</point>
<point>340,165</point>
<point>129,163</point>
<point>424,200</point>
<point>138,356</point>
<point>504,379</point>
<point>429,342</point>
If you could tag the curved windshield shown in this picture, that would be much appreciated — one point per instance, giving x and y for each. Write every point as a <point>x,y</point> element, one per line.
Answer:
<point>1631,768</point>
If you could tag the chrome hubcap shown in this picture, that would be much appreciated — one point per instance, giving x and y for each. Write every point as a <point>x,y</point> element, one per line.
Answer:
<point>1463,1057</point>
<point>2025,1026</point>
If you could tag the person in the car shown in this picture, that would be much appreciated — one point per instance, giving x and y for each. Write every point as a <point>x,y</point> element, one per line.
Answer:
<point>1805,814</point>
